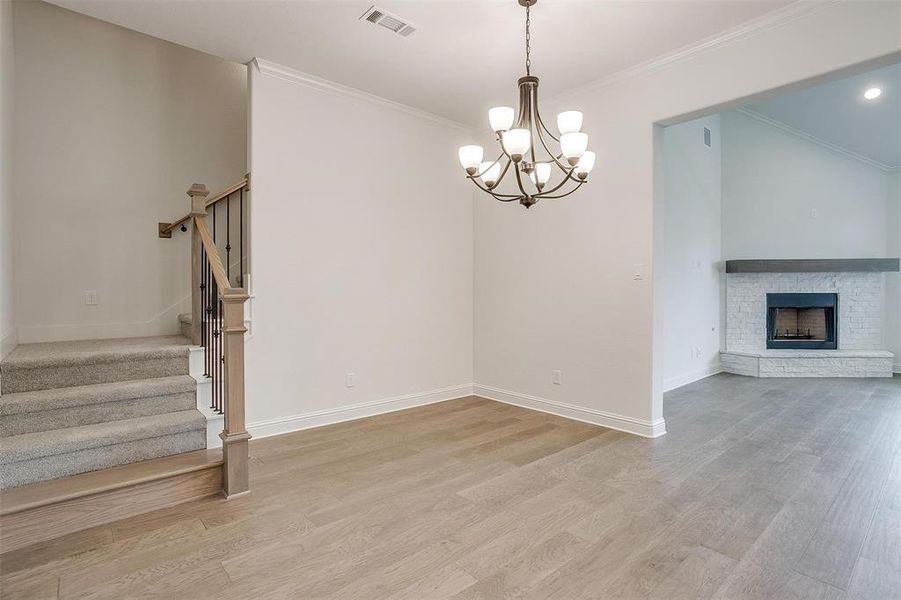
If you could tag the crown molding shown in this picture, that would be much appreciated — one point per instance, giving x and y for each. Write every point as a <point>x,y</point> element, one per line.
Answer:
<point>813,139</point>
<point>288,74</point>
<point>771,20</point>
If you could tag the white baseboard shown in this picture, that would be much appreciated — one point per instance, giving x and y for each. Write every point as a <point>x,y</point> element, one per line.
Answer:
<point>677,381</point>
<point>266,428</point>
<point>649,429</point>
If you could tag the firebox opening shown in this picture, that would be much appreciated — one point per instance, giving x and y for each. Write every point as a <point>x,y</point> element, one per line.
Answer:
<point>806,321</point>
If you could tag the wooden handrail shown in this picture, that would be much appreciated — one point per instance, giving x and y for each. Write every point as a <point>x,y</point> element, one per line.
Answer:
<point>165,229</point>
<point>217,324</point>
<point>212,254</point>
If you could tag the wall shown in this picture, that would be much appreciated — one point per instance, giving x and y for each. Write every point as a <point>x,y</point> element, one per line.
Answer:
<point>362,258</point>
<point>112,127</point>
<point>555,286</point>
<point>893,280</point>
<point>7,272</point>
<point>693,251</point>
<point>787,197</point>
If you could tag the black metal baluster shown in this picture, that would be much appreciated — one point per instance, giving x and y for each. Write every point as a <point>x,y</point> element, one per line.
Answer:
<point>202,315</point>
<point>228,238</point>
<point>221,363</point>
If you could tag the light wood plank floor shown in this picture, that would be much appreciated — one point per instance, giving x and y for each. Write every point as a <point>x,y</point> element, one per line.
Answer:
<point>761,489</point>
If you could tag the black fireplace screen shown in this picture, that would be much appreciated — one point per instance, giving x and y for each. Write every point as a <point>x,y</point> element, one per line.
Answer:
<point>806,321</point>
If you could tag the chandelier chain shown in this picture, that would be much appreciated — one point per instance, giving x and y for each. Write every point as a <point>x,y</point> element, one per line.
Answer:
<point>528,40</point>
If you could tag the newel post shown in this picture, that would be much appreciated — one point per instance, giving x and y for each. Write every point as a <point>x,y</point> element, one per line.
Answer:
<point>235,472</point>
<point>198,194</point>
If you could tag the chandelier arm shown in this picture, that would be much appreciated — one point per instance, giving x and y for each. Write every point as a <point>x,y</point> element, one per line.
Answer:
<point>497,195</point>
<point>496,160</point>
<point>561,195</point>
<point>541,121</point>
<point>563,167</point>
<point>519,182</point>
<point>568,177</point>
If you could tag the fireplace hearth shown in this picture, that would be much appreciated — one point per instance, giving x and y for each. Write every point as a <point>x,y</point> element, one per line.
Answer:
<point>802,321</point>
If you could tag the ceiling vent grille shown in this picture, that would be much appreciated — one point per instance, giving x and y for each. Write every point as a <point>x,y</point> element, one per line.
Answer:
<point>385,19</point>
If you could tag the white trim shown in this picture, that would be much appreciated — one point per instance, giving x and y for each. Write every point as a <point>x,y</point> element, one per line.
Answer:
<point>288,74</point>
<point>815,140</point>
<point>761,24</point>
<point>677,381</point>
<point>649,429</point>
<point>896,368</point>
<point>278,426</point>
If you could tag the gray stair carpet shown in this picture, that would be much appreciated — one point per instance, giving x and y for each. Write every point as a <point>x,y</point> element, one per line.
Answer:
<point>32,457</point>
<point>42,410</point>
<point>64,364</point>
<point>73,407</point>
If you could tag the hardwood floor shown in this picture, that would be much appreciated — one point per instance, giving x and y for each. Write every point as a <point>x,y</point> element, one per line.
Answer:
<point>762,488</point>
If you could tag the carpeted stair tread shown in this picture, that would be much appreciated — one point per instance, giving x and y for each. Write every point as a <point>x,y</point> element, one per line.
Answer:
<point>101,393</point>
<point>43,366</point>
<point>56,442</point>
<point>85,352</point>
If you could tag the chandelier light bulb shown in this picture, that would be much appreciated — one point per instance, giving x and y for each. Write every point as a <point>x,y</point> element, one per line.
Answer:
<point>569,121</point>
<point>541,174</point>
<point>573,146</point>
<point>516,143</point>
<point>585,165</point>
<point>470,158</point>
<point>501,118</point>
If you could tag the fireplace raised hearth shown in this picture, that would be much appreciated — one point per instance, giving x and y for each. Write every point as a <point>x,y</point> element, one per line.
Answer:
<point>802,321</point>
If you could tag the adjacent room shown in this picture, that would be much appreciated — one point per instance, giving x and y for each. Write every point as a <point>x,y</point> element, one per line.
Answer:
<point>542,299</point>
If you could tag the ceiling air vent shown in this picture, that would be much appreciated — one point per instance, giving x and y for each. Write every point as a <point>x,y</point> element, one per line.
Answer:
<point>388,21</point>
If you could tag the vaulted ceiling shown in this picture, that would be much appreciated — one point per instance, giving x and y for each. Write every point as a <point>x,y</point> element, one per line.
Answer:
<point>837,113</point>
<point>466,55</point>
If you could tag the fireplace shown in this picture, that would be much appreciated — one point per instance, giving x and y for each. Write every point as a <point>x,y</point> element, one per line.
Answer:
<point>805,321</point>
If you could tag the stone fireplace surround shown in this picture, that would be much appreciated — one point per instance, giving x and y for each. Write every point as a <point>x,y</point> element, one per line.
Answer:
<point>861,322</point>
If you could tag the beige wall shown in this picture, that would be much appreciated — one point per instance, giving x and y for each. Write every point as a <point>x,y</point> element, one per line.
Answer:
<point>7,273</point>
<point>555,287</point>
<point>362,256</point>
<point>112,126</point>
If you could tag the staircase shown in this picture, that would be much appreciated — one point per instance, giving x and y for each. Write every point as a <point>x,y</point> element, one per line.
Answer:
<point>73,407</point>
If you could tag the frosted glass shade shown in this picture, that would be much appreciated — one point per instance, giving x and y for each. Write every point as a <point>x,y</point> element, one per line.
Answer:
<point>516,143</point>
<point>585,164</point>
<point>569,121</point>
<point>540,174</point>
<point>470,157</point>
<point>501,118</point>
<point>573,146</point>
<point>490,173</point>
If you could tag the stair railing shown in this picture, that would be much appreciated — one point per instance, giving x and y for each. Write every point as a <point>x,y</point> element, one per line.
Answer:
<point>217,319</point>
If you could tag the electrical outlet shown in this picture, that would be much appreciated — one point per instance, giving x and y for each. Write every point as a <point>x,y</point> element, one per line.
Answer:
<point>638,272</point>
<point>351,380</point>
<point>557,377</point>
<point>90,297</point>
<point>813,213</point>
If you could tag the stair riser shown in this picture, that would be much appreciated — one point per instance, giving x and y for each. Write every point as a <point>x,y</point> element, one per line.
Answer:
<point>44,378</point>
<point>95,413</point>
<point>82,461</point>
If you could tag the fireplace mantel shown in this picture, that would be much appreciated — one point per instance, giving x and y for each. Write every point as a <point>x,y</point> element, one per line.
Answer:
<point>814,265</point>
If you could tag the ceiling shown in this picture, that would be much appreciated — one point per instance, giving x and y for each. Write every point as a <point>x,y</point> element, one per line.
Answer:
<point>465,57</point>
<point>837,113</point>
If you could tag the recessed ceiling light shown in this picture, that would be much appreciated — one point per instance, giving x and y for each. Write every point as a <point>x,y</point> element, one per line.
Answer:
<point>872,93</point>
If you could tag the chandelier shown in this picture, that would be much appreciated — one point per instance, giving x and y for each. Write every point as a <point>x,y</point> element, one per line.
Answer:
<point>522,137</point>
